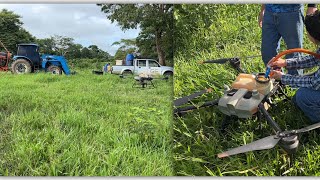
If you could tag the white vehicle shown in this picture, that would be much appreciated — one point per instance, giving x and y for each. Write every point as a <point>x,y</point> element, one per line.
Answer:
<point>147,66</point>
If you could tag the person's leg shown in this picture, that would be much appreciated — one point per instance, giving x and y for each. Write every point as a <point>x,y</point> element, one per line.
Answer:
<point>291,29</point>
<point>270,37</point>
<point>308,100</point>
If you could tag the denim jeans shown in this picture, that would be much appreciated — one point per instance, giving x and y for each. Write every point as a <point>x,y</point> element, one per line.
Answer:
<point>308,100</point>
<point>275,26</point>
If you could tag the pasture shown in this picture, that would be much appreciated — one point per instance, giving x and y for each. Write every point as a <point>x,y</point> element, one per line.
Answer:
<point>84,125</point>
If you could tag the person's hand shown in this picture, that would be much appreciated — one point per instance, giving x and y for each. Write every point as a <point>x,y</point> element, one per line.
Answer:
<point>276,74</point>
<point>279,63</point>
<point>311,10</point>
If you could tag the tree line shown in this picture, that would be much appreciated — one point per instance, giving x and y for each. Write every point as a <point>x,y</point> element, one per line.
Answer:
<point>12,33</point>
<point>155,39</point>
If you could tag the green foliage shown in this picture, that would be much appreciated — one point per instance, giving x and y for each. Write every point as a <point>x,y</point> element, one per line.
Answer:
<point>231,30</point>
<point>87,64</point>
<point>127,46</point>
<point>61,45</point>
<point>84,125</point>
<point>154,20</point>
<point>11,31</point>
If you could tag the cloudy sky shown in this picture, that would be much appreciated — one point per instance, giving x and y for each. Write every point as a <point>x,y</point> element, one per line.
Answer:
<point>85,23</point>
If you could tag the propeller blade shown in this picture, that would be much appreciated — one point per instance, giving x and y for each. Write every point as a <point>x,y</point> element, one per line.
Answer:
<point>264,143</point>
<point>308,128</point>
<point>186,99</point>
<point>218,61</point>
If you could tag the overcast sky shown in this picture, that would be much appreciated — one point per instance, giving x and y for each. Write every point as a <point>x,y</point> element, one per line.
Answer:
<point>85,23</point>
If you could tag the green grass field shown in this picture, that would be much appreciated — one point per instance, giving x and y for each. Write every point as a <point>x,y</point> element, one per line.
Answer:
<point>197,138</point>
<point>84,125</point>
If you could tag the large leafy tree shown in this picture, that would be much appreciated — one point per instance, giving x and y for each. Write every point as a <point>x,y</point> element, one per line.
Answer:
<point>156,20</point>
<point>12,32</point>
<point>62,45</point>
<point>126,46</point>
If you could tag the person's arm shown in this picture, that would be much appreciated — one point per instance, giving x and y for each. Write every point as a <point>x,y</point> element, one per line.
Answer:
<point>297,62</point>
<point>301,62</point>
<point>261,15</point>
<point>312,82</point>
<point>311,8</point>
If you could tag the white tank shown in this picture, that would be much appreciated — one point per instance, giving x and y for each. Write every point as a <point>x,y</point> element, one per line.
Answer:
<point>244,97</point>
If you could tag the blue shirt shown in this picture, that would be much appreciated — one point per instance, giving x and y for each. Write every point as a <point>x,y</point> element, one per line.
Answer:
<point>282,8</point>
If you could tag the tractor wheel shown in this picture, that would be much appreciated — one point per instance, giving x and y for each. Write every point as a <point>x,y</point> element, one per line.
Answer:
<point>56,70</point>
<point>21,66</point>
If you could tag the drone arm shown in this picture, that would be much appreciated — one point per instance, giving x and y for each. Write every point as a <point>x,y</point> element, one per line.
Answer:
<point>270,120</point>
<point>218,61</point>
<point>189,108</point>
<point>186,99</point>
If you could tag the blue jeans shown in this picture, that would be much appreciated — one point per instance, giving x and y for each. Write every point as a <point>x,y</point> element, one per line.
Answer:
<point>308,100</point>
<point>275,26</point>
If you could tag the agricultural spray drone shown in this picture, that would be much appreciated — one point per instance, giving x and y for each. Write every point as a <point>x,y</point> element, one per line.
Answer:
<point>143,80</point>
<point>250,95</point>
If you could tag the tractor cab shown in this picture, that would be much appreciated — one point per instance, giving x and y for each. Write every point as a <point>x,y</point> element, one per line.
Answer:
<point>30,52</point>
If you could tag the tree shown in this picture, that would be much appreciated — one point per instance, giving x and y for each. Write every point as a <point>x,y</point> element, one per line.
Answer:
<point>154,19</point>
<point>126,46</point>
<point>11,31</point>
<point>62,44</point>
<point>47,45</point>
<point>74,51</point>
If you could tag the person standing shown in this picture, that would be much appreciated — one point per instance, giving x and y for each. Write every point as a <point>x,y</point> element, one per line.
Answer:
<point>282,21</point>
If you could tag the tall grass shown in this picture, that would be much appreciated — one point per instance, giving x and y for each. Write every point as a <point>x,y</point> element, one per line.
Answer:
<point>197,136</point>
<point>84,125</point>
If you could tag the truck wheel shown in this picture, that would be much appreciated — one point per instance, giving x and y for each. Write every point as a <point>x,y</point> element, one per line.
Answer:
<point>21,66</point>
<point>56,70</point>
<point>168,74</point>
<point>126,73</point>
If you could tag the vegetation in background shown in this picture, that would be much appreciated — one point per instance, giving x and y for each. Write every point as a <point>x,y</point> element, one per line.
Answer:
<point>126,46</point>
<point>61,45</point>
<point>155,22</point>
<point>221,31</point>
<point>11,31</point>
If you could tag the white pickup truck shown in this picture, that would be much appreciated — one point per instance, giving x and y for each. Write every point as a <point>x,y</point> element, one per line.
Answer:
<point>143,66</point>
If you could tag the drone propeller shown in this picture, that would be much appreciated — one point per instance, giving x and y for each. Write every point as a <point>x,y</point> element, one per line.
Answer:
<point>264,143</point>
<point>267,142</point>
<point>186,99</point>
<point>305,129</point>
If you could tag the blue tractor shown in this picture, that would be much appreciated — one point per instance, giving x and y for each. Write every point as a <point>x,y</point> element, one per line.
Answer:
<point>29,60</point>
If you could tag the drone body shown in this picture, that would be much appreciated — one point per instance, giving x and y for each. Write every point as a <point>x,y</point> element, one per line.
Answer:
<point>245,96</point>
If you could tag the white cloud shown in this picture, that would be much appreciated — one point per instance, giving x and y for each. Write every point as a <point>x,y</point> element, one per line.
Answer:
<point>85,23</point>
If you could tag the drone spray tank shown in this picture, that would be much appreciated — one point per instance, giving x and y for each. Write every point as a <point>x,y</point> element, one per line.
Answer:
<point>245,94</point>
